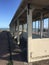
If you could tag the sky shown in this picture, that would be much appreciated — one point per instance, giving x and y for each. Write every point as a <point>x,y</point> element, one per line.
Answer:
<point>7,11</point>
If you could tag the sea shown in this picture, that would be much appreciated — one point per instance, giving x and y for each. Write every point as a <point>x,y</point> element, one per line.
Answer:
<point>4,29</point>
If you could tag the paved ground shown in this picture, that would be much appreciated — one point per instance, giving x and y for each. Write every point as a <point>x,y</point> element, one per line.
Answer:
<point>3,49</point>
<point>17,55</point>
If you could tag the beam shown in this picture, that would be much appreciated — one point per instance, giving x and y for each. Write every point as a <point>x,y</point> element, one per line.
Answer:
<point>20,13</point>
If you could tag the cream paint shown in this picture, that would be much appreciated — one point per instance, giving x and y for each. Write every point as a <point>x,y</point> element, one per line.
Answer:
<point>38,49</point>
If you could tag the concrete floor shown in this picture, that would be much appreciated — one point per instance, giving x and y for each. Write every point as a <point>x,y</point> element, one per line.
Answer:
<point>3,49</point>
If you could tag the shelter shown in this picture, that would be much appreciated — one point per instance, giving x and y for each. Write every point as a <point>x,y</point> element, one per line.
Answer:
<point>28,12</point>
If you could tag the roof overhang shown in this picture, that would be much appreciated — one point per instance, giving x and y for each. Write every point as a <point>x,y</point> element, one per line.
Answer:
<point>39,5</point>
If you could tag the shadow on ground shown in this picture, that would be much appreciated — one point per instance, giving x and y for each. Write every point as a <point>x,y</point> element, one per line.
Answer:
<point>17,54</point>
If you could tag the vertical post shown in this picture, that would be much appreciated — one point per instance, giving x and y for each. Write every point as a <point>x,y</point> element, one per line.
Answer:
<point>38,27</point>
<point>18,31</point>
<point>29,22</point>
<point>22,28</point>
<point>41,26</point>
<point>32,27</point>
<point>48,27</point>
<point>15,27</point>
<point>13,30</point>
<point>35,27</point>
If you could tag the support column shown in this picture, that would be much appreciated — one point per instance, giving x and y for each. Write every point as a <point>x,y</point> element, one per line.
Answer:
<point>41,26</point>
<point>48,27</point>
<point>18,32</point>
<point>38,27</point>
<point>22,28</point>
<point>15,27</point>
<point>29,22</point>
<point>35,27</point>
<point>32,28</point>
<point>12,30</point>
